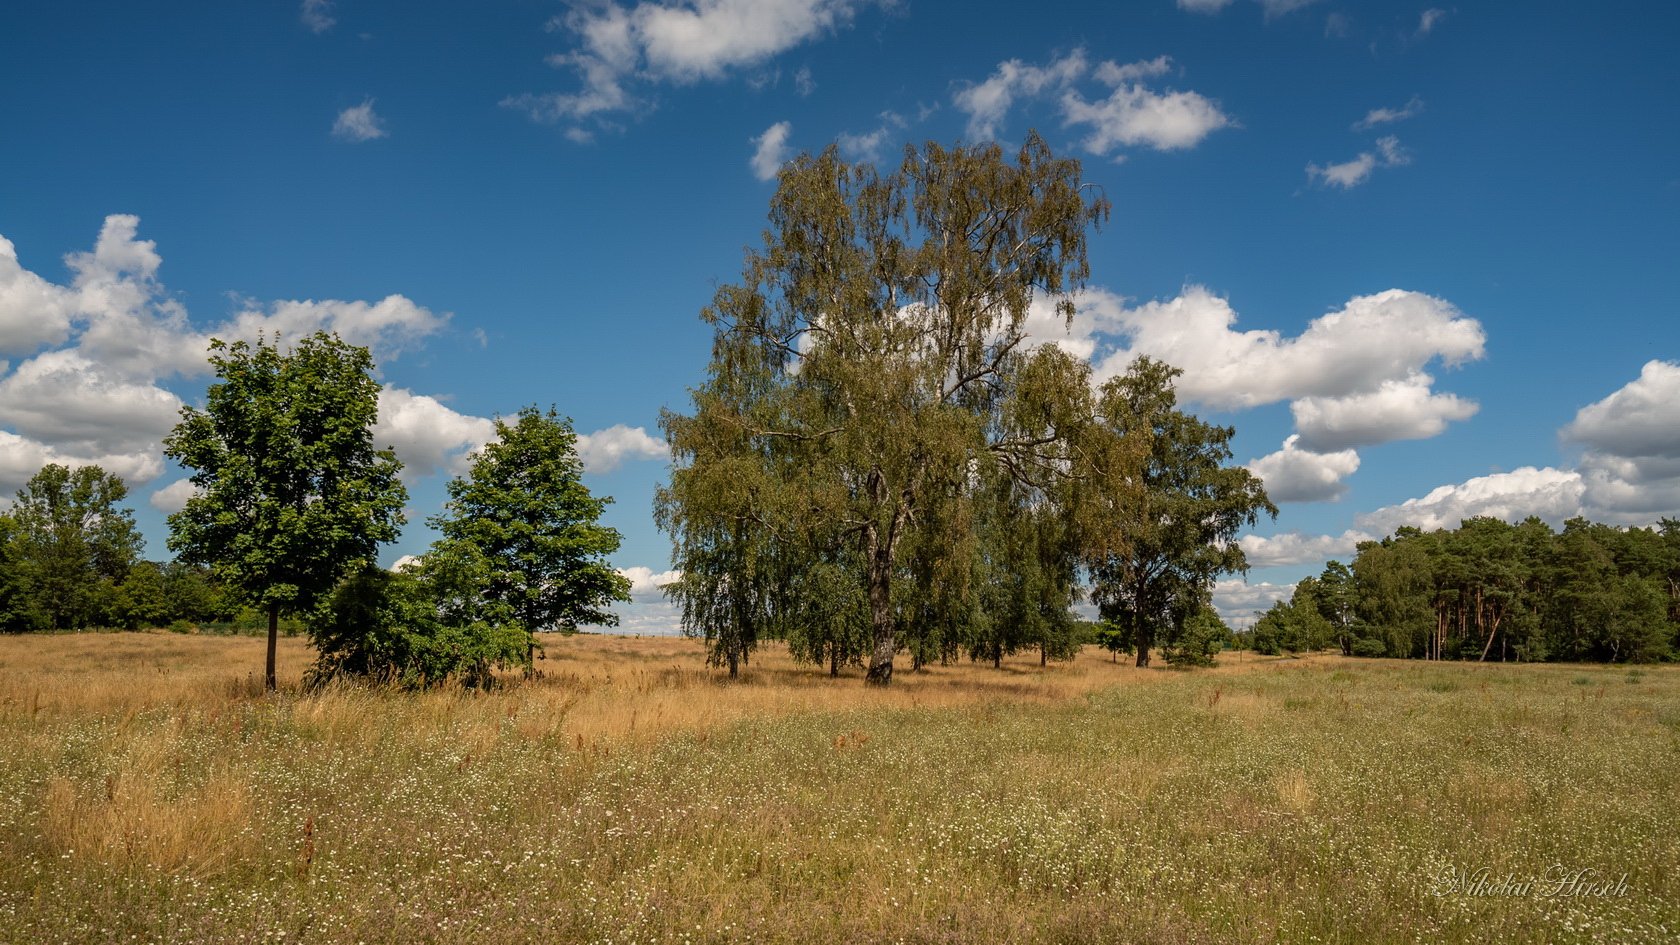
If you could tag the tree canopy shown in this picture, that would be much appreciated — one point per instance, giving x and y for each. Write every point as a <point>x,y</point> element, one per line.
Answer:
<point>1490,590</point>
<point>73,545</point>
<point>872,366</point>
<point>293,494</point>
<point>525,515</point>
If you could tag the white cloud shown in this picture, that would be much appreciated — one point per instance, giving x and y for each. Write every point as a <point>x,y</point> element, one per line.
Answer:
<point>21,458</point>
<point>1294,474</point>
<point>680,41</point>
<point>1371,339</point>
<point>771,151</point>
<point>96,395</point>
<point>1241,603</point>
<point>1350,174</point>
<point>387,328</point>
<point>1640,419</point>
<point>173,497</point>
<point>62,399</point>
<point>1134,115</point>
<point>1632,464</point>
<point>1294,548</point>
<point>650,618</point>
<point>1385,116</point>
<point>1552,494</point>
<point>605,450</point>
<point>1203,6</point>
<point>1129,115</point>
<point>645,584</point>
<point>867,147</point>
<point>33,311</point>
<point>359,123</point>
<point>317,15</point>
<point>803,82</point>
<point>427,435</point>
<point>1429,19</point>
<point>1346,174</point>
<point>987,104</point>
<point>1402,409</point>
<point>1277,8</point>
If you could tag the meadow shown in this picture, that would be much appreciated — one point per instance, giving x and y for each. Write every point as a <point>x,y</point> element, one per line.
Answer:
<point>150,792</point>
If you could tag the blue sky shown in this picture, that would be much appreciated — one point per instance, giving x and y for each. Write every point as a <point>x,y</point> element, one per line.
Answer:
<point>1459,225</point>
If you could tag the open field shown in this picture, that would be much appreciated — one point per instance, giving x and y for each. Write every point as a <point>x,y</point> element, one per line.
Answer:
<point>149,792</point>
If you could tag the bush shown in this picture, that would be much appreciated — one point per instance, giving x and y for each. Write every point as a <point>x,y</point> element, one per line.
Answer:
<point>416,629</point>
<point>1368,646</point>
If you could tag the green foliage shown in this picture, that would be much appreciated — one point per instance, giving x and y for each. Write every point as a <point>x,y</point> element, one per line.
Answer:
<point>1160,551</point>
<point>418,628</point>
<point>292,492</point>
<point>1488,590</point>
<point>1198,639</point>
<point>16,610</point>
<point>523,511</point>
<point>871,387</point>
<point>72,544</point>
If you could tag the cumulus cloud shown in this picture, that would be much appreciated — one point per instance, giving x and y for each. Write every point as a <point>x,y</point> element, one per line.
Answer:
<point>62,399</point>
<point>115,335</point>
<point>1399,409</point>
<point>1293,548</point>
<point>318,15</point>
<point>359,123</point>
<point>426,435</point>
<point>1135,115</point>
<point>771,151</point>
<point>33,311</point>
<point>21,458</point>
<point>1640,419</point>
<point>1129,114</point>
<point>1385,116</point>
<point>987,103</point>
<point>1294,474</point>
<point>646,585</point>
<point>173,497</point>
<point>1552,494</point>
<point>678,41</point>
<point>1240,603</point>
<point>1391,335</point>
<point>1631,467</point>
<point>605,450</point>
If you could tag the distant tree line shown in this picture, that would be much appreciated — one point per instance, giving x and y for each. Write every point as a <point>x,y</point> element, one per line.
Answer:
<point>70,559</point>
<point>1489,590</point>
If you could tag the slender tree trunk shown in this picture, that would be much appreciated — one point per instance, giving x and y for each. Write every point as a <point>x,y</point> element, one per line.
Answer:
<point>834,659</point>
<point>734,662</point>
<point>879,553</point>
<point>997,654</point>
<point>1140,636</point>
<point>273,644</point>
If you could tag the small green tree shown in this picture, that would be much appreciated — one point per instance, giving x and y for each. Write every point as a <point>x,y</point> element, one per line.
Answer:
<point>293,494</point>
<point>74,543</point>
<point>524,509</point>
<point>1196,640</point>
<point>1160,553</point>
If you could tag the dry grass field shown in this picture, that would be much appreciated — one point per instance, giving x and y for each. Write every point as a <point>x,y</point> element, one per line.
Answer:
<point>149,792</point>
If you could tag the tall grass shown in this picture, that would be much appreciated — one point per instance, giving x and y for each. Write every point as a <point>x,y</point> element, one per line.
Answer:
<point>150,792</point>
